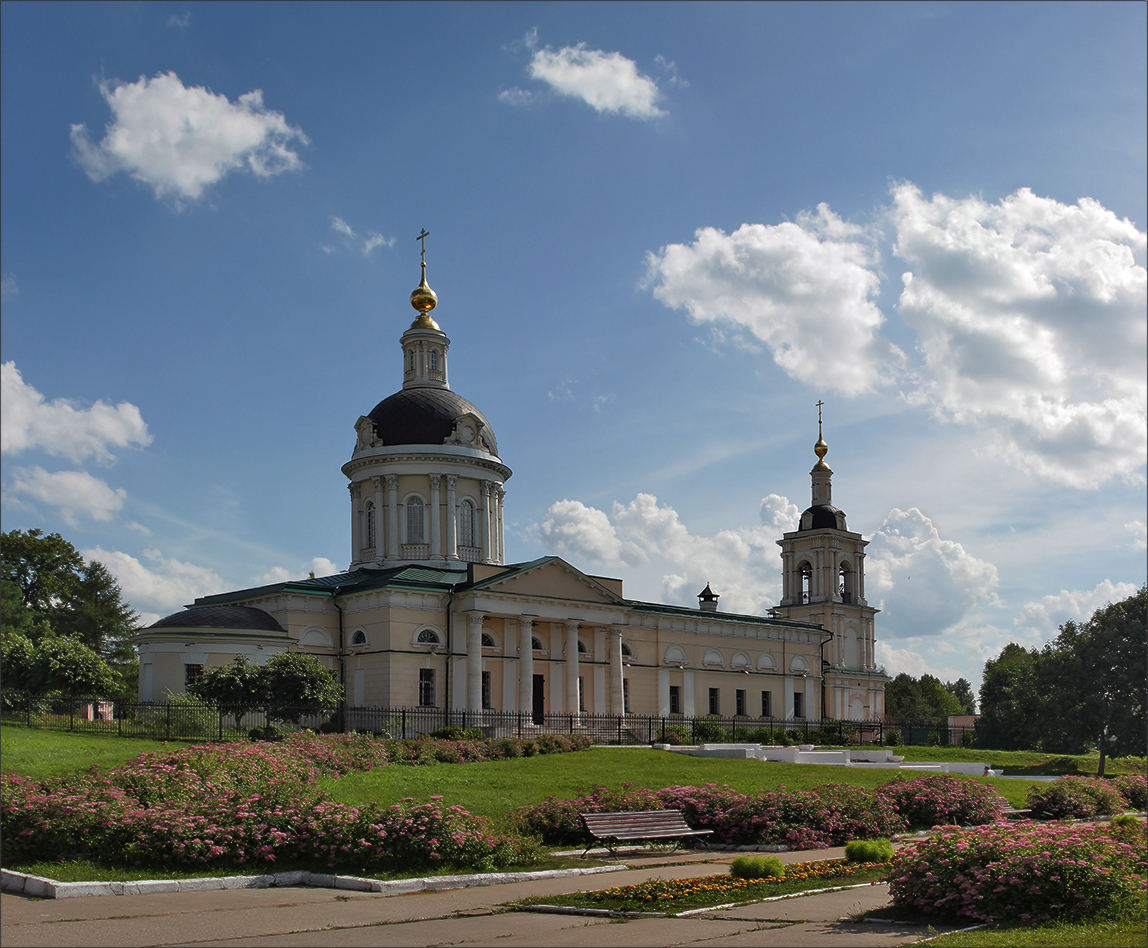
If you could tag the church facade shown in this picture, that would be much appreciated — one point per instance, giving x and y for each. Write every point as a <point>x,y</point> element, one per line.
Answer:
<point>429,615</point>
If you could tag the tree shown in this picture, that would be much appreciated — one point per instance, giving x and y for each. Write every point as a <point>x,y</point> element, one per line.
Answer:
<point>296,683</point>
<point>1010,708</point>
<point>48,589</point>
<point>963,692</point>
<point>55,664</point>
<point>922,700</point>
<point>240,686</point>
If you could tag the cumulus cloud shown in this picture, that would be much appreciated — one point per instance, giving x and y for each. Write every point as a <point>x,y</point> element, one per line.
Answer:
<point>1051,612</point>
<point>1029,314</point>
<point>59,427</point>
<point>364,243</point>
<point>319,565</point>
<point>72,492</point>
<point>794,286</point>
<point>179,140</point>
<point>1139,534</point>
<point>161,587</point>
<point>923,583</point>
<point>743,565</point>
<point>516,96</point>
<point>607,82</point>
<point>898,660</point>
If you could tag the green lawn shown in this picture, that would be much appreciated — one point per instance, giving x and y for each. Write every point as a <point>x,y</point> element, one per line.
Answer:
<point>1025,762</point>
<point>1125,933</point>
<point>36,753</point>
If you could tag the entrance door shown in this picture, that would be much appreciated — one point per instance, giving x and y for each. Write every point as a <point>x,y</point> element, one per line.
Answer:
<point>539,698</point>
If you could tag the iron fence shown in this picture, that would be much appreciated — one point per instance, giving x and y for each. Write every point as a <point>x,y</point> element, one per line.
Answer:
<point>185,720</point>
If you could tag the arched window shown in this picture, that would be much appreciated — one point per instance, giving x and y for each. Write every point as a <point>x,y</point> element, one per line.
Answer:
<point>370,537</point>
<point>488,640</point>
<point>359,638</point>
<point>434,360</point>
<point>713,657</point>
<point>806,582</point>
<point>846,585</point>
<point>428,637</point>
<point>412,353</point>
<point>415,532</point>
<point>536,645</point>
<point>466,523</point>
<point>627,652</point>
<point>582,650</point>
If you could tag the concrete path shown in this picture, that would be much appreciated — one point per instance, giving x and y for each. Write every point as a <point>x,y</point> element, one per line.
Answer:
<point>472,916</point>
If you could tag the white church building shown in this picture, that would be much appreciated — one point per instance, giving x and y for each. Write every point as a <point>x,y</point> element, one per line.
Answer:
<point>429,615</point>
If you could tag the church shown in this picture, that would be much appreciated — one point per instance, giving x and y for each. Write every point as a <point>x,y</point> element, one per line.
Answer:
<point>429,615</point>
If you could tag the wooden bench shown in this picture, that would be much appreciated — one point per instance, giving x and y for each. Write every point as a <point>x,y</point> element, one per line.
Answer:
<point>612,829</point>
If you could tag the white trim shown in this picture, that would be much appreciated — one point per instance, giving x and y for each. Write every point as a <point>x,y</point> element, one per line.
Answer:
<point>676,655</point>
<point>714,656</point>
<point>427,627</point>
<point>315,636</point>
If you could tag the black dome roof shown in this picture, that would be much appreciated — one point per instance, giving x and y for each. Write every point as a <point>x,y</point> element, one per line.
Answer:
<point>220,617</point>
<point>824,517</point>
<point>426,416</point>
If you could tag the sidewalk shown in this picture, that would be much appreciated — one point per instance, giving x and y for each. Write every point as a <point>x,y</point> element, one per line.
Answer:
<point>471,916</point>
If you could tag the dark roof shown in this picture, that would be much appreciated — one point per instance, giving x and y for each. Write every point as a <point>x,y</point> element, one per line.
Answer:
<point>220,617</point>
<point>824,518</point>
<point>426,416</point>
<point>708,594</point>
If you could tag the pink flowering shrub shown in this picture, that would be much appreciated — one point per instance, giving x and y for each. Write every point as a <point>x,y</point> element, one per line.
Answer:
<point>1134,789</point>
<point>801,819</point>
<point>1025,871</point>
<point>98,820</point>
<point>1079,798</point>
<point>941,799</point>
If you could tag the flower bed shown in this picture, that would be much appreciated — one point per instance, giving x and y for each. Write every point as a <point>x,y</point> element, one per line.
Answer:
<point>1076,798</point>
<point>801,819</point>
<point>676,895</point>
<point>1025,871</point>
<point>1134,789</point>
<point>213,806</point>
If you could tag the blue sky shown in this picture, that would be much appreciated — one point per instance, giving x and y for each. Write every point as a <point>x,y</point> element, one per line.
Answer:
<point>660,233</point>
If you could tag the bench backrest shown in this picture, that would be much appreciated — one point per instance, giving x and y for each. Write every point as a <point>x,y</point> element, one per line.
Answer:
<point>631,820</point>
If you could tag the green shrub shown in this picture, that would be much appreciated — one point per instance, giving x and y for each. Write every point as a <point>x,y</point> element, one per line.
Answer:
<point>1134,789</point>
<point>795,736</point>
<point>892,737</point>
<point>757,867</point>
<point>762,735</point>
<point>681,731</point>
<point>869,850</point>
<point>459,734</point>
<point>708,732</point>
<point>1124,819</point>
<point>934,739</point>
<point>1080,798</point>
<point>968,739</point>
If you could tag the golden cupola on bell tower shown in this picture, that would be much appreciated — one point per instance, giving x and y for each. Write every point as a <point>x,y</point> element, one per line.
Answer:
<point>424,344</point>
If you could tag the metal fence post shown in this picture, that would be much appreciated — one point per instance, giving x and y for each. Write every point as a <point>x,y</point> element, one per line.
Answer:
<point>71,714</point>
<point>167,734</point>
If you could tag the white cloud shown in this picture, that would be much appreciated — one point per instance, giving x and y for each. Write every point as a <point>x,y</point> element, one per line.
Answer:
<point>179,140</point>
<point>1051,612</point>
<point>59,427</point>
<point>923,584</point>
<point>360,242</point>
<point>72,492</point>
<point>1139,534</point>
<point>516,96</point>
<point>180,20</point>
<point>607,82</point>
<point>9,286</point>
<point>319,565</point>
<point>898,660</point>
<point>742,565</point>
<point>794,286</point>
<point>1030,317</point>
<point>164,587</point>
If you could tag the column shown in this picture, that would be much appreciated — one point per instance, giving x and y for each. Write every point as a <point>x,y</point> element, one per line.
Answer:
<point>392,516</point>
<point>787,697</point>
<point>572,704</point>
<point>689,694</point>
<point>500,555</point>
<point>484,520</point>
<point>451,518</point>
<point>435,520</point>
<point>860,581</point>
<point>356,523</point>
<point>510,645</point>
<point>663,691</point>
<point>377,540</point>
<point>474,661</point>
<point>525,665</point>
<point>614,651</point>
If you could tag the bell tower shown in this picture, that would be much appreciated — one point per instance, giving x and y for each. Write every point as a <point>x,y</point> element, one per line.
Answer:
<point>823,582</point>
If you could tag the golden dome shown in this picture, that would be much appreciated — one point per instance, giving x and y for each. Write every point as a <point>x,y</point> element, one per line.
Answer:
<point>423,298</point>
<point>820,448</point>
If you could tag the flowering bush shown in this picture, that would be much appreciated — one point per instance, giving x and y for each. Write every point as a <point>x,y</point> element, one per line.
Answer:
<point>1134,789</point>
<point>1025,871</point>
<point>52,821</point>
<point>1080,798</point>
<point>941,799</point>
<point>801,819</point>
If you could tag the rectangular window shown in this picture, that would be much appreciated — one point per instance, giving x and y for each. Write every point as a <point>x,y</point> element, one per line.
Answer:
<point>581,694</point>
<point>190,674</point>
<point>675,699</point>
<point>767,704</point>
<point>739,697</point>
<point>715,701</point>
<point>486,690</point>
<point>626,696</point>
<point>426,688</point>
<point>798,705</point>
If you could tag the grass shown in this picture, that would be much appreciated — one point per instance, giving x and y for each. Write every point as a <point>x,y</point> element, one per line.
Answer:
<point>1120,933</point>
<point>678,895</point>
<point>1029,763</point>
<point>35,753</point>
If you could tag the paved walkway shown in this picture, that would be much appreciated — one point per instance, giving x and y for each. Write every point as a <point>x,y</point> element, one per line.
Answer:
<point>472,916</point>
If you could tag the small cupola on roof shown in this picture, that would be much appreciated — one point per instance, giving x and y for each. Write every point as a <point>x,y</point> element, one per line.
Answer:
<point>822,514</point>
<point>707,599</point>
<point>424,344</point>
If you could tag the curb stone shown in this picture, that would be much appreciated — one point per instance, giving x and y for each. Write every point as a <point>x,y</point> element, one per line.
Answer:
<point>44,888</point>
